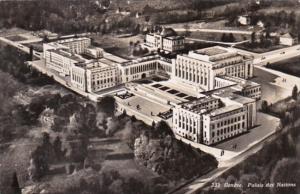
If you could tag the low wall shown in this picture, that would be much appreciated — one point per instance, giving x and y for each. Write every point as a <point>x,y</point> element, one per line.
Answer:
<point>216,152</point>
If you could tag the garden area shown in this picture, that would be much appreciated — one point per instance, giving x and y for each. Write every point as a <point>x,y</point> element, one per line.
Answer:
<point>126,47</point>
<point>290,66</point>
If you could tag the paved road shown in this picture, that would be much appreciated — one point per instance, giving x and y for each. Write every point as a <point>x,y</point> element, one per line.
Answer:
<point>21,47</point>
<point>217,42</point>
<point>214,30</point>
<point>262,59</point>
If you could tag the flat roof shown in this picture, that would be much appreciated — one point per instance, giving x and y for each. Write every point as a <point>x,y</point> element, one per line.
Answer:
<point>174,37</point>
<point>241,82</point>
<point>68,55</point>
<point>236,97</point>
<point>212,51</point>
<point>72,40</point>
<point>96,63</point>
<point>225,109</point>
<point>140,60</point>
<point>194,105</point>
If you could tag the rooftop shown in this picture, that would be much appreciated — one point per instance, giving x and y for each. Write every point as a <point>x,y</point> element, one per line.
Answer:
<point>140,60</point>
<point>197,105</point>
<point>229,94</point>
<point>99,63</point>
<point>175,37</point>
<point>212,51</point>
<point>64,53</point>
<point>216,54</point>
<point>72,40</point>
<point>241,82</point>
<point>225,109</point>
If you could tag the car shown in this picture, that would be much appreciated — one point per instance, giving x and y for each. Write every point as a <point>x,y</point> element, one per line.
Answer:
<point>262,58</point>
<point>282,52</point>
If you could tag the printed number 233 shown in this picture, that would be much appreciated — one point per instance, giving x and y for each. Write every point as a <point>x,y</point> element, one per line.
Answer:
<point>215,185</point>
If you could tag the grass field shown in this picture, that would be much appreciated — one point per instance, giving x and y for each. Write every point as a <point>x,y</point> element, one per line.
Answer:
<point>117,46</point>
<point>16,38</point>
<point>289,66</point>
<point>217,36</point>
<point>258,49</point>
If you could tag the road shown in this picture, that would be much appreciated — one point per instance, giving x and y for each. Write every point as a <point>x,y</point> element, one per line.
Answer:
<point>21,47</point>
<point>246,32</point>
<point>262,59</point>
<point>217,42</point>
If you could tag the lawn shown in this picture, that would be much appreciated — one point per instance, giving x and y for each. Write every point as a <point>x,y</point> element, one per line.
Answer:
<point>117,46</point>
<point>258,48</point>
<point>215,36</point>
<point>15,38</point>
<point>290,66</point>
<point>15,158</point>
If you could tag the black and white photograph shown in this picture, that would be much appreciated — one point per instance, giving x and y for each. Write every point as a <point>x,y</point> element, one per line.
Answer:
<point>149,96</point>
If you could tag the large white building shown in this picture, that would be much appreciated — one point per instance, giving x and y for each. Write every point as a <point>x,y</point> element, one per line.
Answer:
<point>212,119</point>
<point>96,73</point>
<point>200,68</point>
<point>144,67</point>
<point>76,45</point>
<point>61,60</point>
<point>166,40</point>
<point>223,103</point>
<point>94,76</point>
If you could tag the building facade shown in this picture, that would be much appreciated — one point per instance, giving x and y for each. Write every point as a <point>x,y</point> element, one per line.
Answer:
<point>101,75</point>
<point>76,45</point>
<point>61,60</point>
<point>224,123</point>
<point>215,118</point>
<point>166,40</point>
<point>144,67</point>
<point>200,68</point>
<point>288,40</point>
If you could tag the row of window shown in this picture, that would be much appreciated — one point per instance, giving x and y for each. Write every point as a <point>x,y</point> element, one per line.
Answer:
<point>227,114</point>
<point>186,62</point>
<point>77,78</point>
<point>227,122</point>
<point>228,129</point>
<point>252,91</point>
<point>190,77</point>
<point>102,75</point>
<point>103,81</point>
<point>141,68</point>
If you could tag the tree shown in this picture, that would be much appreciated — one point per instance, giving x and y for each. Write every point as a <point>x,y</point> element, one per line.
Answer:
<point>295,93</point>
<point>224,37</point>
<point>107,105</point>
<point>253,37</point>
<point>15,185</point>
<point>231,38</point>
<point>57,146</point>
<point>38,164</point>
<point>285,171</point>
<point>187,29</point>
<point>264,106</point>
<point>162,129</point>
